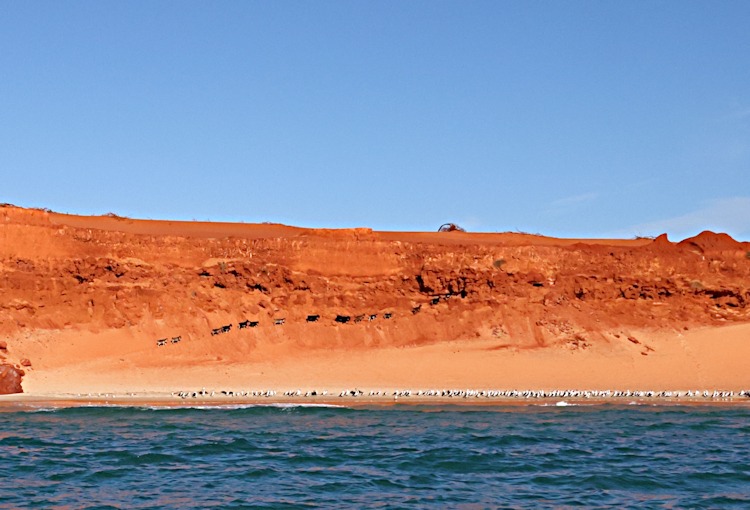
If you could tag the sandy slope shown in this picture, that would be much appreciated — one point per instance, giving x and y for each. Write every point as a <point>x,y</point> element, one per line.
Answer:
<point>710,358</point>
<point>85,299</point>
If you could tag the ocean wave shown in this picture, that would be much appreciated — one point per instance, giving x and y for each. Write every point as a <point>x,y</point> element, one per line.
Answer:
<point>234,407</point>
<point>96,407</point>
<point>402,456</point>
<point>39,409</point>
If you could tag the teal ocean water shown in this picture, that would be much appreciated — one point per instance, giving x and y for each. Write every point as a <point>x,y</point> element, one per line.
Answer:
<point>379,457</point>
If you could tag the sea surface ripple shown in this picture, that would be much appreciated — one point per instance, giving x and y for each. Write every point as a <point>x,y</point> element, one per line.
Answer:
<point>376,457</point>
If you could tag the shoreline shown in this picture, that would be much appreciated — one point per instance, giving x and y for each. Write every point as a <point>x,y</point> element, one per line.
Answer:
<point>346,398</point>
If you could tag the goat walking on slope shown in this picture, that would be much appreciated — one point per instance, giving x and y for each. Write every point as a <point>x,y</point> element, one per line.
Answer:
<point>222,329</point>
<point>343,319</point>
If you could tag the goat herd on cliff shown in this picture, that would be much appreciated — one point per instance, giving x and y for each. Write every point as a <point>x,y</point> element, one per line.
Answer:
<point>339,319</point>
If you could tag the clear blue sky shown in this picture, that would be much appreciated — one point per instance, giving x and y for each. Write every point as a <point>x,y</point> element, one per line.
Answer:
<point>590,118</point>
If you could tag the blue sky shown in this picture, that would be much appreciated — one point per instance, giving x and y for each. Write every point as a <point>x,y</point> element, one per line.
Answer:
<point>576,119</point>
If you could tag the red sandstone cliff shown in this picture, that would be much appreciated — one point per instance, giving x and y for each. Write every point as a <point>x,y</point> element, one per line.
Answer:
<point>152,279</point>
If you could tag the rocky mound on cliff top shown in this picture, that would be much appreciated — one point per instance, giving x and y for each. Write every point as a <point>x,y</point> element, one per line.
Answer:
<point>708,241</point>
<point>161,280</point>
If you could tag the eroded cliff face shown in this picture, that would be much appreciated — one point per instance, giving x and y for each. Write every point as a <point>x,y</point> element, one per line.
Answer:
<point>168,279</point>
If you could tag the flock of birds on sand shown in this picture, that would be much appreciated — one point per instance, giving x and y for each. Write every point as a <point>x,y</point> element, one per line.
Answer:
<point>473,394</point>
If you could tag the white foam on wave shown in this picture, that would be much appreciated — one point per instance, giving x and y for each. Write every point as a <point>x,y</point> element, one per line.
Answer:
<point>170,407</point>
<point>304,405</point>
<point>565,403</point>
<point>561,403</point>
<point>36,409</point>
<point>232,407</point>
